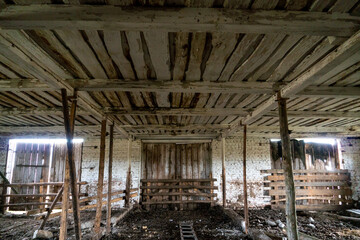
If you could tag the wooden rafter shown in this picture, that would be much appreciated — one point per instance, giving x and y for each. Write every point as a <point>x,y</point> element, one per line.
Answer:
<point>177,19</point>
<point>327,67</point>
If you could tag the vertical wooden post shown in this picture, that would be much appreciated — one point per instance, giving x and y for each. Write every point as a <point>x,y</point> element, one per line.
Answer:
<point>3,198</point>
<point>128,178</point>
<point>100,179</point>
<point>111,144</point>
<point>65,203</point>
<point>69,130</point>
<point>291,222</point>
<point>223,171</point>
<point>246,210</point>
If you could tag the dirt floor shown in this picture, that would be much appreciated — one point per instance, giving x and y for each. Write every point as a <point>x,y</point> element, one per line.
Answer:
<point>208,224</point>
<point>164,224</point>
<point>324,226</point>
<point>22,227</point>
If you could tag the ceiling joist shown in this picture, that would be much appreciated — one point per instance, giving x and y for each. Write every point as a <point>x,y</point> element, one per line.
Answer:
<point>177,19</point>
<point>93,85</point>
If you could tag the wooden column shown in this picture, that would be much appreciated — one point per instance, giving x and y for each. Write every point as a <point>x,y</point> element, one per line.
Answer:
<point>128,177</point>
<point>65,203</point>
<point>291,222</point>
<point>223,171</point>
<point>246,210</point>
<point>111,145</point>
<point>69,130</point>
<point>100,179</point>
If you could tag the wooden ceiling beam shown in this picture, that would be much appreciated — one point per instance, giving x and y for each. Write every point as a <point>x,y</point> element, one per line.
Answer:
<point>17,46</point>
<point>167,19</point>
<point>330,65</point>
<point>311,129</point>
<point>91,85</point>
<point>315,114</point>
<point>41,129</point>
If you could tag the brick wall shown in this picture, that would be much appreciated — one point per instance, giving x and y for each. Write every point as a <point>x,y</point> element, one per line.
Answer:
<point>350,150</point>
<point>257,158</point>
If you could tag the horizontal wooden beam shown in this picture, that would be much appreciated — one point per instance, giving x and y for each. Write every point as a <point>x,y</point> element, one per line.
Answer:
<point>313,129</point>
<point>177,111</point>
<point>177,19</point>
<point>329,66</point>
<point>92,85</point>
<point>182,136</point>
<point>36,112</point>
<point>42,129</point>
<point>315,114</point>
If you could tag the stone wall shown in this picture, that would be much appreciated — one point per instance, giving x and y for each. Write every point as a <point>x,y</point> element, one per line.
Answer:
<point>4,142</point>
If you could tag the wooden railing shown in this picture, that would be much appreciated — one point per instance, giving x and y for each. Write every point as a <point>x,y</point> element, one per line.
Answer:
<point>315,189</point>
<point>30,200</point>
<point>177,191</point>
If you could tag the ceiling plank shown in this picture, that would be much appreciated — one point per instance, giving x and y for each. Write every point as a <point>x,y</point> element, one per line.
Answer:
<point>327,66</point>
<point>177,19</point>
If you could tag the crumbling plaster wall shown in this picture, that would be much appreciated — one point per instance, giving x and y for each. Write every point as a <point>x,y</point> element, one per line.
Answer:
<point>4,142</point>
<point>257,158</point>
<point>90,165</point>
<point>350,150</point>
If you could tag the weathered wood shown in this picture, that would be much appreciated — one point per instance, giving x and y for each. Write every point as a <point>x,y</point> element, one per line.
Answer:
<point>223,175</point>
<point>179,186</point>
<point>40,184</point>
<point>246,210</point>
<point>128,177</point>
<point>65,203</point>
<point>111,146</point>
<point>49,210</point>
<point>176,20</point>
<point>291,219</point>
<point>100,178</point>
<point>178,180</point>
<point>330,65</point>
<point>69,122</point>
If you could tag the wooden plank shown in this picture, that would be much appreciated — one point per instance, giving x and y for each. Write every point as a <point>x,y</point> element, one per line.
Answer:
<point>113,41</point>
<point>128,176</point>
<point>263,51</point>
<point>198,41</point>
<point>101,53</point>
<point>223,173</point>
<point>291,222</point>
<point>311,177</point>
<point>178,186</point>
<point>222,46</point>
<point>317,171</point>
<point>313,184</point>
<point>137,54</point>
<point>100,178</point>
<point>313,192</point>
<point>181,55</point>
<point>76,43</point>
<point>69,122</point>
<point>178,180</point>
<point>176,20</point>
<point>111,149</point>
<point>246,210</point>
<point>158,45</point>
<point>175,202</point>
<point>328,66</point>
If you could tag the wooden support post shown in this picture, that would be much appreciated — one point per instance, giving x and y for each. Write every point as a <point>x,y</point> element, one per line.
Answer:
<point>49,210</point>
<point>69,130</point>
<point>3,198</point>
<point>212,204</point>
<point>246,210</point>
<point>128,178</point>
<point>100,179</point>
<point>223,171</point>
<point>291,222</point>
<point>41,199</point>
<point>65,203</point>
<point>111,145</point>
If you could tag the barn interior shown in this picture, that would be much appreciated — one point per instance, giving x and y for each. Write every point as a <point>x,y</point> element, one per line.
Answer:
<point>180,119</point>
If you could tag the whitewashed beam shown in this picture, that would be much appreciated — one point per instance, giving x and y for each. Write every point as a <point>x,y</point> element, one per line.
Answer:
<point>181,136</point>
<point>330,92</point>
<point>177,19</point>
<point>349,50</point>
<point>189,127</point>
